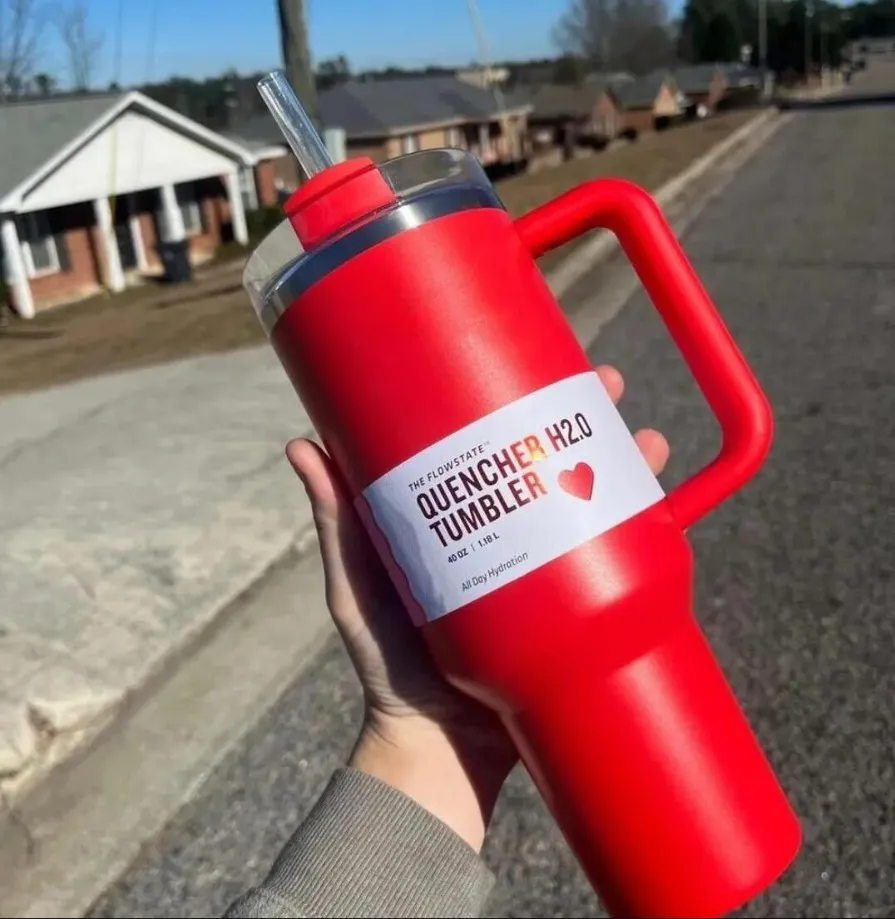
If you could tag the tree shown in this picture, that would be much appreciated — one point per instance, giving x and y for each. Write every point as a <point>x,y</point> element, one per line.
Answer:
<point>333,71</point>
<point>585,29</point>
<point>296,56</point>
<point>568,69</point>
<point>614,35</point>
<point>712,30</point>
<point>45,84</point>
<point>715,30</point>
<point>21,25</point>
<point>81,45</point>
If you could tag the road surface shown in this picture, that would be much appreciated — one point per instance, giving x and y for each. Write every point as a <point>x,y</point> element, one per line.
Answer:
<point>795,585</point>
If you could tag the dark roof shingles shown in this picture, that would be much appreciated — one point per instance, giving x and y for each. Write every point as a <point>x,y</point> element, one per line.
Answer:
<point>556,100</point>
<point>32,133</point>
<point>640,92</point>
<point>381,106</point>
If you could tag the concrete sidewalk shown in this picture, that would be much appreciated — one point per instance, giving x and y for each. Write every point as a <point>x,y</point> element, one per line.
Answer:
<point>134,507</point>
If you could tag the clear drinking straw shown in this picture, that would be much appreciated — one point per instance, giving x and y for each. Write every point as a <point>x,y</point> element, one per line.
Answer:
<point>293,121</point>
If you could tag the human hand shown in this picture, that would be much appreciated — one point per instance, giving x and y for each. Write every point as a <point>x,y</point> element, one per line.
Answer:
<point>440,747</point>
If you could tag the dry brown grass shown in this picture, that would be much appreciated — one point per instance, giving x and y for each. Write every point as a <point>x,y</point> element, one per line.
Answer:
<point>154,324</point>
<point>650,161</point>
<point>147,325</point>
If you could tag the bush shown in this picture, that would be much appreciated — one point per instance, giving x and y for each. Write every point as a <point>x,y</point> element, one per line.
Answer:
<point>593,141</point>
<point>262,221</point>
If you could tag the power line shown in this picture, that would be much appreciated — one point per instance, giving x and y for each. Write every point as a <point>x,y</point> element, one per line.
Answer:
<point>113,134</point>
<point>153,38</point>
<point>151,43</point>
<point>484,61</point>
<point>119,44</point>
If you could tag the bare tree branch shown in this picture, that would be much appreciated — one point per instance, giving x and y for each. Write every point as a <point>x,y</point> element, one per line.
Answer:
<point>21,24</point>
<point>585,29</point>
<point>81,45</point>
<point>617,35</point>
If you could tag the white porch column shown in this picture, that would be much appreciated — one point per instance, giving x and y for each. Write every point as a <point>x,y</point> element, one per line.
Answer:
<point>252,181</point>
<point>137,233</point>
<point>16,276</point>
<point>114,275</point>
<point>176,231</point>
<point>237,210</point>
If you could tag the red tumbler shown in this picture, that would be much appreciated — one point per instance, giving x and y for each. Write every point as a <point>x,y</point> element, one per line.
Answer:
<point>545,567</point>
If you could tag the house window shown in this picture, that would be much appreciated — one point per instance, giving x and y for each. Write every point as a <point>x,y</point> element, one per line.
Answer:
<point>189,209</point>
<point>38,244</point>
<point>409,143</point>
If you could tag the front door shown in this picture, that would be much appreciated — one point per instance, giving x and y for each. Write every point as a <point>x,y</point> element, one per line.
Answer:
<point>124,236</point>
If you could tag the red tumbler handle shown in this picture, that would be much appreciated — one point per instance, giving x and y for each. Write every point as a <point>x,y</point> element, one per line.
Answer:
<point>717,364</point>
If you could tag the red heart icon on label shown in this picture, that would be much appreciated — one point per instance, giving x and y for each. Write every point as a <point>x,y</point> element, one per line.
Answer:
<point>578,482</point>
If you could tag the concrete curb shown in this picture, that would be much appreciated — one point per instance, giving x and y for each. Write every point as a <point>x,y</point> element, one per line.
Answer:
<point>46,821</point>
<point>603,244</point>
<point>67,746</point>
<point>69,839</point>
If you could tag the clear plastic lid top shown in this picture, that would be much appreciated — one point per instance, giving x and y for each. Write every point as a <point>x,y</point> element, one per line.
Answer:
<point>410,176</point>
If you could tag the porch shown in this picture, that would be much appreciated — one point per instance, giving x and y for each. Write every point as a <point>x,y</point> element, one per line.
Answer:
<point>95,215</point>
<point>64,254</point>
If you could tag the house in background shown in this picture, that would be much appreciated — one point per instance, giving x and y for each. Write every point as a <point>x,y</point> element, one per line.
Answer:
<point>708,87</point>
<point>745,84</point>
<point>608,77</point>
<point>703,85</point>
<point>484,76</point>
<point>91,185</point>
<point>563,114</point>
<point>646,102</point>
<point>385,118</point>
<point>275,171</point>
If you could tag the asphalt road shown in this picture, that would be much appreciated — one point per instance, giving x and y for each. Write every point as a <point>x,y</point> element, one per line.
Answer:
<point>795,574</point>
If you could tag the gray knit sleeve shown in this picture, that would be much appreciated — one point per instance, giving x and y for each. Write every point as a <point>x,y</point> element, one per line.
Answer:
<point>366,849</point>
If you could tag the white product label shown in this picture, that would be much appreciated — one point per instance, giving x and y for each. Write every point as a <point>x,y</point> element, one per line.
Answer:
<point>507,494</point>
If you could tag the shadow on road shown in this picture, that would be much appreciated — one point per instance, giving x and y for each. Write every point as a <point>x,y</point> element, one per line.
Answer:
<point>852,100</point>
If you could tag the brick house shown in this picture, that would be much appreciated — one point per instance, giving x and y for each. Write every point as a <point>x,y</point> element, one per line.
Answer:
<point>562,113</point>
<point>385,118</point>
<point>275,171</point>
<point>708,87</point>
<point>90,185</point>
<point>646,102</point>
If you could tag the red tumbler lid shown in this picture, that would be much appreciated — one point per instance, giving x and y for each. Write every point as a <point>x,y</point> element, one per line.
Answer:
<point>336,198</point>
<point>334,195</point>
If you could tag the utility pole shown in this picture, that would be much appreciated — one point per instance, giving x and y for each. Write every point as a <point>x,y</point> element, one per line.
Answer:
<point>296,56</point>
<point>483,56</point>
<point>809,14</point>
<point>763,46</point>
<point>763,34</point>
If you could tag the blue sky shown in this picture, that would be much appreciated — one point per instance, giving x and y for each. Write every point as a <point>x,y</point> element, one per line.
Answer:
<point>204,37</point>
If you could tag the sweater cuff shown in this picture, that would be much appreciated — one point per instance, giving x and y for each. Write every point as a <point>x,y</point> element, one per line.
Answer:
<point>366,849</point>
